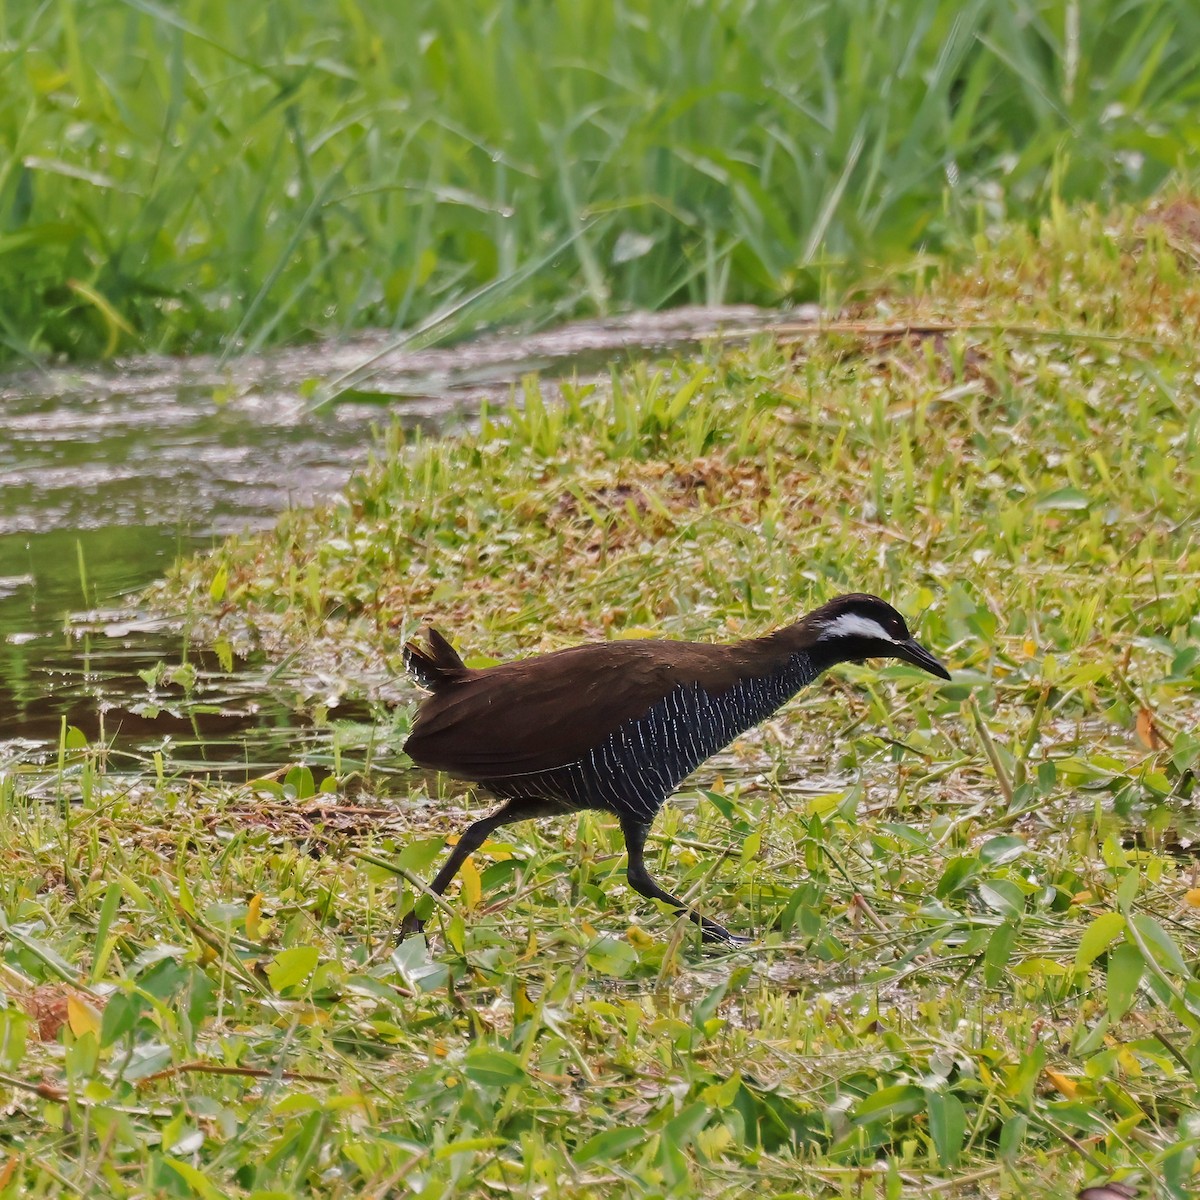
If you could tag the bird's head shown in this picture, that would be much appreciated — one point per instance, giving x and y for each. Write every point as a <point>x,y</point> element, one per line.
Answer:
<point>855,627</point>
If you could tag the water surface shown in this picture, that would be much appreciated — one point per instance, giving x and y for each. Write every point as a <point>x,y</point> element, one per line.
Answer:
<point>109,474</point>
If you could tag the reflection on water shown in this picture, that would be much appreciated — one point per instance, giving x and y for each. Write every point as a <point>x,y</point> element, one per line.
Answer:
<point>100,490</point>
<point>107,475</point>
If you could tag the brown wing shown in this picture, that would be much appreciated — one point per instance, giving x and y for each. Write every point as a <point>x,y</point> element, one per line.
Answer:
<point>539,713</point>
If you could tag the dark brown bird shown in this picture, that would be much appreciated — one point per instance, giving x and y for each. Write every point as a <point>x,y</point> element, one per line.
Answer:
<point>617,726</point>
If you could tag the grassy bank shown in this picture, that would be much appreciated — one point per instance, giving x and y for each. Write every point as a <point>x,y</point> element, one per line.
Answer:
<point>975,903</point>
<point>205,174</point>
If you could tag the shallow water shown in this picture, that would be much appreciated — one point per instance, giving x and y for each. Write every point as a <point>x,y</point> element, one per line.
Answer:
<point>108,474</point>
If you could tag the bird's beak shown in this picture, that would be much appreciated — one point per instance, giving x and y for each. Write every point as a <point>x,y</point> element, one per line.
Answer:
<point>912,651</point>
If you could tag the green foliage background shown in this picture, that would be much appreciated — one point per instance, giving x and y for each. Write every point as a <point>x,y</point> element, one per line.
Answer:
<point>203,174</point>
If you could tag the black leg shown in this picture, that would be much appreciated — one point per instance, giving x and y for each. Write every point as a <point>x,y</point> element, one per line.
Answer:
<point>474,837</point>
<point>641,881</point>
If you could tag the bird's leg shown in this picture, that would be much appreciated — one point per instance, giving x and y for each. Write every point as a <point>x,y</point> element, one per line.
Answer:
<point>641,881</point>
<point>472,838</point>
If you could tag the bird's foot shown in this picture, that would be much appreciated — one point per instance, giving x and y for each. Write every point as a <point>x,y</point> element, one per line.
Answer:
<point>718,935</point>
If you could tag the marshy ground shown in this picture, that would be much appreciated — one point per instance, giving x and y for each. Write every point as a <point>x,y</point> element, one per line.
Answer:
<point>976,904</point>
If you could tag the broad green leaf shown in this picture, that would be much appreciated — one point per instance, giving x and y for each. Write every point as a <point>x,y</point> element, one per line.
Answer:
<point>1034,968</point>
<point>1066,499</point>
<point>722,1095</point>
<point>1012,1135</point>
<point>1002,896</point>
<point>186,900</point>
<point>998,850</point>
<point>14,1029</point>
<point>1156,781</point>
<point>493,1068</point>
<point>612,956</point>
<point>300,780</point>
<point>104,944</point>
<point>416,856</point>
<point>957,872</point>
<point>682,1129</point>
<point>751,846</point>
<point>1127,889</point>
<point>417,968</point>
<point>998,952</point>
<point>1046,776</point>
<point>1125,967</point>
<point>1160,941</point>
<point>916,838</point>
<point>889,1103</point>
<point>198,1183</point>
<point>290,967</point>
<point>947,1125</point>
<point>1097,938</point>
<point>827,802</point>
<point>120,1015</point>
<point>612,1143</point>
<point>148,1059</point>
<point>707,1006</point>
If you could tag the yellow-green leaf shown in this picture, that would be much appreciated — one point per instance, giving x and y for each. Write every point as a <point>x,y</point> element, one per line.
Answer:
<point>1097,938</point>
<point>291,967</point>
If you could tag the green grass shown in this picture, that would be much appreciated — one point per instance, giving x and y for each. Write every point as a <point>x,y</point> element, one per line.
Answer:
<point>206,174</point>
<point>975,903</point>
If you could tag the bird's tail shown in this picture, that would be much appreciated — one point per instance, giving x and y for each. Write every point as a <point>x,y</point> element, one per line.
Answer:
<point>436,667</point>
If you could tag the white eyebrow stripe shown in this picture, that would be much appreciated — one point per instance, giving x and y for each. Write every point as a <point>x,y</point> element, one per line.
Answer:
<point>849,624</point>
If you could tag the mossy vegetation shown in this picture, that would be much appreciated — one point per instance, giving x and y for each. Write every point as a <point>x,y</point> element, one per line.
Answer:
<point>975,904</point>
